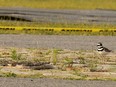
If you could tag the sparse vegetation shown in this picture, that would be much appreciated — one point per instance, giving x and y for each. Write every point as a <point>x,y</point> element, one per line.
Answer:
<point>89,67</point>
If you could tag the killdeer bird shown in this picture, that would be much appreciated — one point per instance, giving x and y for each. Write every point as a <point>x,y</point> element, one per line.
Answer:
<point>101,49</point>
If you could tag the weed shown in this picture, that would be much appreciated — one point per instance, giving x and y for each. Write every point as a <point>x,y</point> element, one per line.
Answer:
<point>54,58</point>
<point>78,73</point>
<point>67,64</point>
<point>49,51</point>
<point>68,61</point>
<point>82,60</point>
<point>10,74</point>
<point>92,65</point>
<point>15,55</point>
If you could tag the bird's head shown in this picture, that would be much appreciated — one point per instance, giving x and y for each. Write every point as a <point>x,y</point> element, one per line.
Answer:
<point>99,44</point>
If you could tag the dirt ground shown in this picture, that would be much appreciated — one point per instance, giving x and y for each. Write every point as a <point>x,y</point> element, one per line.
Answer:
<point>57,63</point>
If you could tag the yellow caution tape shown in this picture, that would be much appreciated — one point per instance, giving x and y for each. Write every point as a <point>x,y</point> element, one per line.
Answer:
<point>57,29</point>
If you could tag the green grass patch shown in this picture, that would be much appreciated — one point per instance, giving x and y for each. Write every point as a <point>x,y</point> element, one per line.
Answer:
<point>61,4</point>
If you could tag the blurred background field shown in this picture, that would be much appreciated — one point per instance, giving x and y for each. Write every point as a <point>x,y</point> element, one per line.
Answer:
<point>60,4</point>
<point>108,5</point>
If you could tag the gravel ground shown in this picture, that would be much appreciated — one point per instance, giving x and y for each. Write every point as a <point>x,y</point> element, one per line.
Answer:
<point>26,82</point>
<point>56,41</point>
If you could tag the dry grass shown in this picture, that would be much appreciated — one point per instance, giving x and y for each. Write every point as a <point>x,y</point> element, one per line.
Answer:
<point>70,64</point>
